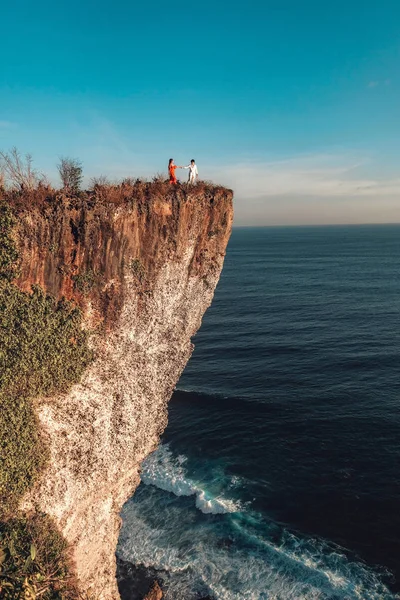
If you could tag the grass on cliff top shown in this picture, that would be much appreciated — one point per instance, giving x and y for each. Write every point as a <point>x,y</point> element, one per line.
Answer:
<point>159,187</point>
<point>128,191</point>
<point>34,562</point>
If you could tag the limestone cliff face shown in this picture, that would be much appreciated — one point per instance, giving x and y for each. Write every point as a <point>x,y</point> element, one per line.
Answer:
<point>144,272</point>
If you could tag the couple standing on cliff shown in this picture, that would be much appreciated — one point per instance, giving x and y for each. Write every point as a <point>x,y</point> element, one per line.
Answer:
<point>193,172</point>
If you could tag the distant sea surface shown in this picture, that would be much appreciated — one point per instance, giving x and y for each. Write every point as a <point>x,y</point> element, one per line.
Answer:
<point>278,476</point>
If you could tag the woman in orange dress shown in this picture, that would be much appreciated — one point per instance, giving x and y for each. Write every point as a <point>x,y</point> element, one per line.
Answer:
<point>171,170</point>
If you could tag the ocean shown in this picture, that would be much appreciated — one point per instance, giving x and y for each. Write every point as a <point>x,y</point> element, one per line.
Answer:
<point>278,476</point>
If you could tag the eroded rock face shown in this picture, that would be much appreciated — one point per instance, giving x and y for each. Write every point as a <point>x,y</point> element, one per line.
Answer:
<point>144,273</point>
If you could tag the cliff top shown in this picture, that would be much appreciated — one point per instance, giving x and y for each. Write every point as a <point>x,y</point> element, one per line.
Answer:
<point>113,194</point>
<point>82,245</point>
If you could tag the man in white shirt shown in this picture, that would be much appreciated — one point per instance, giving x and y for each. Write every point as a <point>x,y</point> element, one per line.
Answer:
<point>193,172</point>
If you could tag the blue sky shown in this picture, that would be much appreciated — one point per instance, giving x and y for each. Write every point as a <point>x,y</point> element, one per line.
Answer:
<point>295,104</point>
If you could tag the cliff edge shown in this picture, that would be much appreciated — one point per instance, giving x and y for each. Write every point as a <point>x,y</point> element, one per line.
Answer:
<point>141,263</point>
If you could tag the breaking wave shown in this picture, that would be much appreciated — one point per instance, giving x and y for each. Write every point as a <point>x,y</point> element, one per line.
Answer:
<point>167,472</point>
<point>205,542</point>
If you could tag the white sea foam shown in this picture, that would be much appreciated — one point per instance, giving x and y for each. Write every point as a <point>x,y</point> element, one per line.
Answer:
<point>216,505</point>
<point>165,471</point>
<point>242,558</point>
<point>193,561</point>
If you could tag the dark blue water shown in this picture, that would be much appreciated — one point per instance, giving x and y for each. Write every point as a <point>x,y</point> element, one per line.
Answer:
<point>279,474</point>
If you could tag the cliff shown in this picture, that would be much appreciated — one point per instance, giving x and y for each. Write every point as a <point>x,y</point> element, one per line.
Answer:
<point>142,267</point>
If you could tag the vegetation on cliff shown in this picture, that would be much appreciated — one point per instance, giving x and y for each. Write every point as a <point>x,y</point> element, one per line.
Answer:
<point>34,561</point>
<point>20,181</point>
<point>8,247</point>
<point>43,350</point>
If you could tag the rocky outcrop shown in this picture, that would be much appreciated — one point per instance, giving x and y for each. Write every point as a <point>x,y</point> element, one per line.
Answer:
<point>143,271</point>
<point>155,593</point>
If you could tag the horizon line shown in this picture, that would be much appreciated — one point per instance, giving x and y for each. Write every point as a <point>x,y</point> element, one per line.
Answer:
<point>397,223</point>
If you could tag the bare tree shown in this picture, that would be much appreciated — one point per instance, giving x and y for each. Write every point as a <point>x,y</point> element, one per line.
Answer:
<point>99,180</point>
<point>18,170</point>
<point>70,170</point>
<point>44,181</point>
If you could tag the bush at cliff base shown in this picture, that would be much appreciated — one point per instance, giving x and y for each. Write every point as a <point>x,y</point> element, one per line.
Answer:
<point>33,561</point>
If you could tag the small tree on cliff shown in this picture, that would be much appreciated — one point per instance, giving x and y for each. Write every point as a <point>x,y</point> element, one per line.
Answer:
<point>17,170</point>
<point>70,170</point>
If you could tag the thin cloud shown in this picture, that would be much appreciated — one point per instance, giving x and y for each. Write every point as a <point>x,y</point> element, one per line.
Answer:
<point>376,83</point>
<point>7,125</point>
<point>311,176</point>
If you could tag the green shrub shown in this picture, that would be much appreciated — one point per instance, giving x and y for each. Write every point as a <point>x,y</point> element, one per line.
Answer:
<point>8,248</point>
<point>43,350</point>
<point>24,454</point>
<point>33,560</point>
<point>84,282</point>
<point>137,269</point>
